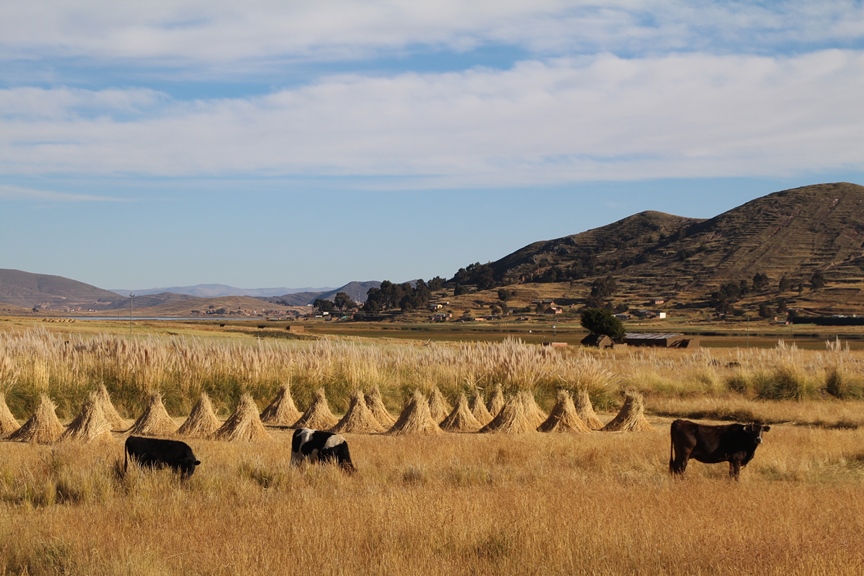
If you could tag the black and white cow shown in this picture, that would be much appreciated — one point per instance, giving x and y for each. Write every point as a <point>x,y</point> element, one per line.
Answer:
<point>320,446</point>
<point>158,453</point>
<point>733,443</point>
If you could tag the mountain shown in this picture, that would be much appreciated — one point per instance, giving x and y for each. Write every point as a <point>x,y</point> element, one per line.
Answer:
<point>30,290</point>
<point>356,290</point>
<point>218,290</point>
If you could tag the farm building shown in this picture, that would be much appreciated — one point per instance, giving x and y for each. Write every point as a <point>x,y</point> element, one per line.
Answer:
<point>597,340</point>
<point>661,340</point>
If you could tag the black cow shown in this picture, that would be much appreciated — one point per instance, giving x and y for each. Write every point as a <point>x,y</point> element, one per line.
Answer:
<point>319,446</point>
<point>158,453</point>
<point>733,443</point>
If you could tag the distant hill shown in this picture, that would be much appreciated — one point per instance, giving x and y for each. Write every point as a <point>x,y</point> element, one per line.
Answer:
<point>356,290</point>
<point>29,290</point>
<point>218,290</point>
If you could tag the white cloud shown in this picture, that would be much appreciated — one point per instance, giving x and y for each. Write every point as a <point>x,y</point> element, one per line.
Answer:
<point>25,193</point>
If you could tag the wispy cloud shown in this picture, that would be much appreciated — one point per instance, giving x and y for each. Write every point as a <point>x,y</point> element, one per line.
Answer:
<point>25,193</point>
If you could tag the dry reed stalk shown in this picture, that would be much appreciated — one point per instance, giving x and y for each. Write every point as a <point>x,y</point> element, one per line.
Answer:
<point>439,408</point>
<point>43,427</point>
<point>116,422</point>
<point>631,417</point>
<point>511,419</point>
<point>479,410</point>
<point>359,418</point>
<point>415,417</point>
<point>318,416</point>
<point>563,417</point>
<point>376,404</point>
<point>90,424</point>
<point>586,411</point>
<point>202,421</point>
<point>461,419</point>
<point>281,411</point>
<point>497,401</point>
<point>533,413</point>
<point>244,424</point>
<point>8,423</point>
<point>155,420</point>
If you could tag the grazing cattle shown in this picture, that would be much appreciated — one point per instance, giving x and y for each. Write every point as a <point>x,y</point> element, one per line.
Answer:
<point>733,443</point>
<point>158,453</point>
<point>319,446</point>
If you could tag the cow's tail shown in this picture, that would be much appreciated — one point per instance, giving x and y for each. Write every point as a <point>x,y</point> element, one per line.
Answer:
<point>672,468</point>
<point>125,459</point>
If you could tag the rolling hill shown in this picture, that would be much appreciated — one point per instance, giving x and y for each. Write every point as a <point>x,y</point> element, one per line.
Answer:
<point>29,290</point>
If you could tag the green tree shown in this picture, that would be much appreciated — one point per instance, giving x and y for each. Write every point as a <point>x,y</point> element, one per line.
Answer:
<point>342,301</point>
<point>602,321</point>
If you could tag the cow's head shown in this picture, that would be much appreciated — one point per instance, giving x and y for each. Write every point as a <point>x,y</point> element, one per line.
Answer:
<point>755,430</point>
<point>187,466</point>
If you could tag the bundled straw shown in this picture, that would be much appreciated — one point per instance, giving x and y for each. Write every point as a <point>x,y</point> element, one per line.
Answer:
<point>318,416</point>
<point>461,419</point>
<point>244,424</point>
<point>564,417</point>
<point>496,402</point>
<point>511,419</point>
<point>155,420</point>
<point>43,427</point>
<point>202,421</point>
<point>114,419</point>
<point>439,408</point>
<point>281,411</point>
<point>90,424</point>
<point>586,410</point>
<point>415,417</point>
<point>375,403</point>
<point>533,413</point>
<point>359,418</point>
<point>8,423</point>
<point>631,417</point>
<point>479,410</point>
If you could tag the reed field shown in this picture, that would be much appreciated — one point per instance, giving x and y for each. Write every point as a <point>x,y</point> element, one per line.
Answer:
<point>444,503</point>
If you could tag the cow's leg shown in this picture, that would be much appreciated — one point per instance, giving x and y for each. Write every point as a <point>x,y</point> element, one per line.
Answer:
<point>734,469</point>
<point>678,464</point>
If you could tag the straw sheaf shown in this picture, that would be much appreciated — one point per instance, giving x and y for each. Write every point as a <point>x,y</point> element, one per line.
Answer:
<point>281,411</point>
<point>8,423</point>
<point>318,416</point>
<point>533,413</point>
<point>117,422</point>
<point>415,417</point>
<point>439,408</point>
<point>155,420</point>
<point>202,421</point>
<point>244,424</point>
<point>375,403</point>
<point>586,411</point>
<point>461,419</point>
<point>563,417</point>
<point>631,417</point>
<point>496,402</point>
<point>479,410</point>
<point>511,419</point>
<point>359,418</point>
<point>90,424</point>
<point>43,427</point>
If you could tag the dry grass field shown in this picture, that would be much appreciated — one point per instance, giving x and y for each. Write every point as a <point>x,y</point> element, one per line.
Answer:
<point>448,503</point>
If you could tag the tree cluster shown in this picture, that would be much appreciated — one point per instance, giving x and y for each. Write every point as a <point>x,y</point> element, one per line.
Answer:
<point>390,296</point>
<point>602,321</point>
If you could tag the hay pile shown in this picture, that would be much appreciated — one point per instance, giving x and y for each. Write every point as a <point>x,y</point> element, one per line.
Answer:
<point>43,427</point>
<point>563,417</point>
<point>359,418</point>
<point>114,419</point>
<point>415,417</point>
<point>533,413</point>
<point>631,417</point>
<point>511,419</point>
<point>8,423</point>
<point>244,424</point>
<point>281,411</point>
<point>318,416</point>
<point>375,403</point>
<point>91,423</point>
<point>202,421</point>
<point>479,410</point>
<point>439,408</point>
<point>155,420</point>
<point>461,419</point>
<point>586,411</point>
<point>496,402</point>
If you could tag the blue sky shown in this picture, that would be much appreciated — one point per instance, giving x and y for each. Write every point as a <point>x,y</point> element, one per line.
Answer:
<point>309,144</point>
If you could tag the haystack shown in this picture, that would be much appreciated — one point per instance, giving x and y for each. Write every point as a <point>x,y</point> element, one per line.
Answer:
<point>318,416</point>
<point>479,410</point>
<point>439,408</point>
<point>563,417</point>
<point>533,413</point>
<point>281,411</point>
<point>117,422</point>
<point>43,427</point>
<point>202,421</point>
<point>415,417</point>
<point>511,419</point>
<point>631,417</point>
<point>155,420</point>
<point>461,419</point>
<point>586,411</point>
<point>244,424</point>
<point>496,402</point>
<point>8,423</point>
<point>375,403</point>
<point>359,418</point>
<point>91,423</point>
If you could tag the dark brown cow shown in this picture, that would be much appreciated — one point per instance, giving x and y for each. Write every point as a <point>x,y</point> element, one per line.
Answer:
<point>733,443</point>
